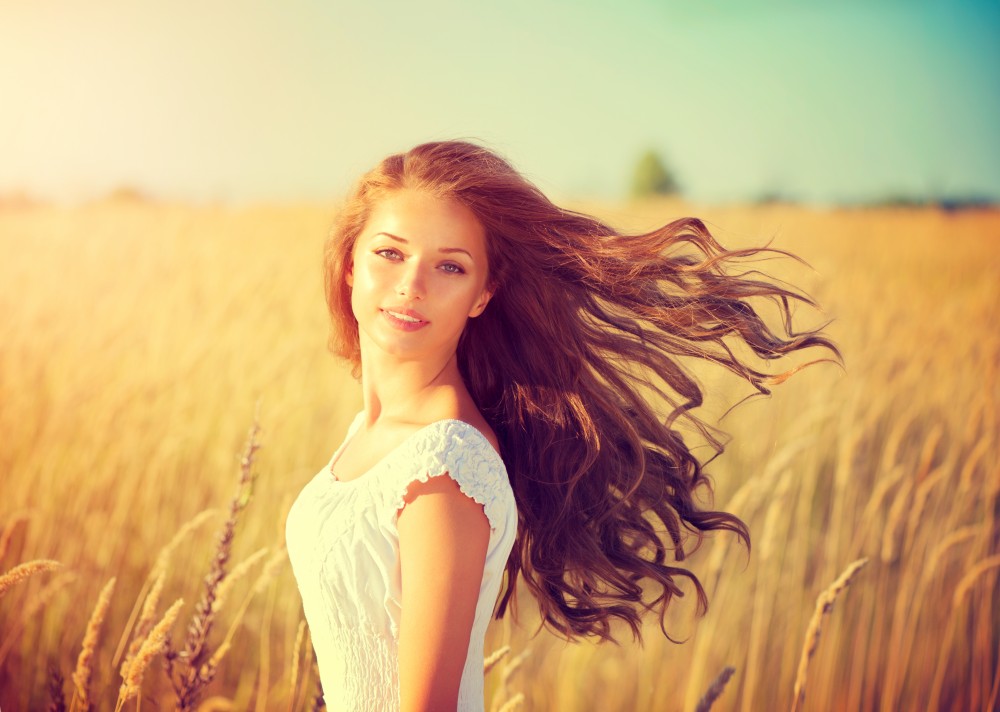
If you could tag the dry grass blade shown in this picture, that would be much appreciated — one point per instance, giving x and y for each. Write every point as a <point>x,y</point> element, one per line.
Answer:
<point>824,604</point>
<point>151,647</point>
<point>22,571</point>
<point>85,661</point>
<point>495,657</point>
<point>715,689</point>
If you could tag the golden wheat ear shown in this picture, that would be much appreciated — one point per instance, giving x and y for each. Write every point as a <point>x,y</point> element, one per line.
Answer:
<point>151,647</point>
<point>824,604</point>
<point>85,661</point>
<point>23,571</point>
<point>714,690</point>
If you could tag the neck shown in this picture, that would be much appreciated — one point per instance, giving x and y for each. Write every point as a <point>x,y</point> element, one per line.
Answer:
<point>408,391</point>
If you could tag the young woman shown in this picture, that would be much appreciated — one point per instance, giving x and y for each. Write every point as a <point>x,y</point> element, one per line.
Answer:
<point>522,389</point>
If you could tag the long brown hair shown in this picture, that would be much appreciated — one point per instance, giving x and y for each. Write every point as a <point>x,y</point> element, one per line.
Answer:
<point>571,362</point>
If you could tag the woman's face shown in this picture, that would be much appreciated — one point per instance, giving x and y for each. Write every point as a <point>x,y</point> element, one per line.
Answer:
<point>419,272</point>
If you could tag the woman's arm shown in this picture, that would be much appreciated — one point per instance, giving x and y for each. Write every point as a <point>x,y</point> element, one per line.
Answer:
<point>443,537</point>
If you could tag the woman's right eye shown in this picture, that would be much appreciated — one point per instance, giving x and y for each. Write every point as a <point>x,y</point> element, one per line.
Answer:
<point>388,253</point>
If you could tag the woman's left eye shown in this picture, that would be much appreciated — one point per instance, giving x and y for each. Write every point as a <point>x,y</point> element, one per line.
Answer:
<point>452,268</point>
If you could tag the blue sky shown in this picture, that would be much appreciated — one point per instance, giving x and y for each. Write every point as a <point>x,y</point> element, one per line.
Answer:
<point>284,101</point>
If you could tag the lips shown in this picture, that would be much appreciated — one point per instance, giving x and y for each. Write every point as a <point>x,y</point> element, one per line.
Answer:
<point>403,318</point>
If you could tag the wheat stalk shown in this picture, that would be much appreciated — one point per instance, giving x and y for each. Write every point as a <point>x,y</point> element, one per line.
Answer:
<point>151,647</point>
<point>513,703</point>
<point>961,590</point>
<point>931,441</point>
<point>966,476</point>
<point>163,558</point>
<point>35,604</point>
<point>317,700</point>
<point>514,665</point>
<point>495,657</point>
<point>920,497</point>
<point>22,571</point>
<point>85,661</point>
<point>159,569</point>
<point>55,688</point>
<point>969,580</point>
<point>715,689</point>
<point>824,604</point>
<point>949,540</point>
<point>145,624</point>
<point>269,571</point>
<point>278,558</point>
<point>879,494</point>
<point>508,671</point>
<point>890,551</point>
<point>238,572</point>
<point>8,531</point>
<point>300,635</point>
<point>196,657</point>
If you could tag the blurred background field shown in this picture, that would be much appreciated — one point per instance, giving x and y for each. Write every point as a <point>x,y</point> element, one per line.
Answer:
<point>138,339</point>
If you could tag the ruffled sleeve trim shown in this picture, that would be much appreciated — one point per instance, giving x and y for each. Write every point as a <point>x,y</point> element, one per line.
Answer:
<point>459,450</point>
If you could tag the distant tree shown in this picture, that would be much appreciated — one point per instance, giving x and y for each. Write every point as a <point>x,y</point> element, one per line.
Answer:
<point>652,177</point>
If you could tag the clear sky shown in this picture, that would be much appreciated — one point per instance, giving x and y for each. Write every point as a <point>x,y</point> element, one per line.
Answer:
<point>251,100</point>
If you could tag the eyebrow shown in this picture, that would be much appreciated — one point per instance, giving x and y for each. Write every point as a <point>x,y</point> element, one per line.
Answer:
<point>446,250</point>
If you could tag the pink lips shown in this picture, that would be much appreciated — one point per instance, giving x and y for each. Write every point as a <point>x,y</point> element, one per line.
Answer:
<point>410,321</point>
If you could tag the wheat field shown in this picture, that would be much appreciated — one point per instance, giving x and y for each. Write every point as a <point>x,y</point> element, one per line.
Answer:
<point>141,538</point>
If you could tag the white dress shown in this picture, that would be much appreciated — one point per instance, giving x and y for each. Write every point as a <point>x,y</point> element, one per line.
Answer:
<point>344,548</point>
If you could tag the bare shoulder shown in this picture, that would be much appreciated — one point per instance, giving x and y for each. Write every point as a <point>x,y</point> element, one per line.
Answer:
<point>464,411</point>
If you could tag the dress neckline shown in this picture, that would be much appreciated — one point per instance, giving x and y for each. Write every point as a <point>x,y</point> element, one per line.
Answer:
<point>353,431</point>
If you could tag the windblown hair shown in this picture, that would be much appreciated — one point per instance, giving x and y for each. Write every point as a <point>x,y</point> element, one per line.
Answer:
<point>575,363</point>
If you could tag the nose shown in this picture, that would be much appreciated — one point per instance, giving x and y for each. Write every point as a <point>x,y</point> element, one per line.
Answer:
<point>411,282</point>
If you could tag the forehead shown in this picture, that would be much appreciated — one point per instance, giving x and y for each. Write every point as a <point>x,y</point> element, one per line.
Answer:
<point>421,217</point>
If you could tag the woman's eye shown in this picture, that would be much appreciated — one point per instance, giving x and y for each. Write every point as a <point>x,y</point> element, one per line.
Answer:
<point>388,253</point>
<point>452,268</point>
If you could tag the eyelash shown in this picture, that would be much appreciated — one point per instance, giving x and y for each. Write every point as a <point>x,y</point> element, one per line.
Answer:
<point>394,255</point>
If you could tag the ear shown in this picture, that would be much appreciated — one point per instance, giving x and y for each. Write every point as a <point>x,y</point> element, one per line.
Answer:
<point>349,276</point>
<point>481,303</point>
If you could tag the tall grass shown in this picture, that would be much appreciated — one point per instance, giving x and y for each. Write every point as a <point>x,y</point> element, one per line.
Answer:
<point>137,339</point>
